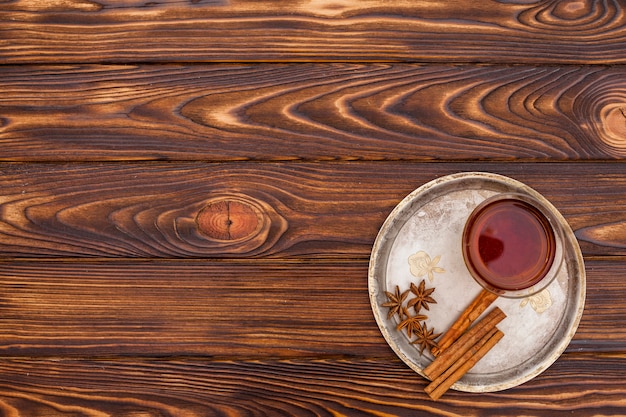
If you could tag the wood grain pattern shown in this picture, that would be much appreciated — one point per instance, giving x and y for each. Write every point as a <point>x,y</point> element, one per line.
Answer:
<point>211,309</point>
<point>228,310</point>
<point>62,31</point>
<point>308,210</point>
<point>320,388</point>
<point>312,112</point>
<point>190,190</point>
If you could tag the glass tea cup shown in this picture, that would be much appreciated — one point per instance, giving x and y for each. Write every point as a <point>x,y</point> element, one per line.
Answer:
<point>512,245</point>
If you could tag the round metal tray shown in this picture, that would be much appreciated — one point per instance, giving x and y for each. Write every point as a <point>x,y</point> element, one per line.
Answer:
<point>421,239</point>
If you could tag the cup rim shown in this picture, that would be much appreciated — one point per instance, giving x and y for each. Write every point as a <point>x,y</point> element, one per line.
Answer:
<point>557,261</point>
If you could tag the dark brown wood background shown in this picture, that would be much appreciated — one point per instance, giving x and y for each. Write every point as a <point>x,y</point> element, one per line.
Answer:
<point>189,192</point>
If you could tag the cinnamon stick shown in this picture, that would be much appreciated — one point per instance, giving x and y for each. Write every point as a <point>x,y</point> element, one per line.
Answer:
<point>465,320</point>
<point>463,344</point>
<point>440,385</point>
<point>456,365</point>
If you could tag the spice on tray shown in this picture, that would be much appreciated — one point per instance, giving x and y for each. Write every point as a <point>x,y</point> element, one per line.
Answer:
<point>395,302</point>
<point>422,297</point>
<point>464,343</point>
<point>465,320</point>
<point>426,338</point>
<point>414,325</point>
<point>442,383</point>
<point>460,348</point>
<point>463,354</point>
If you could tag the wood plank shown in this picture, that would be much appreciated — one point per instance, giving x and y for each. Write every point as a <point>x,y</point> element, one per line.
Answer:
<point>212,309</point>
<point>312,112</point>
<point>311,210</point>
<point>228,310</point>
<point>237,30</point>
<point>572,385</point>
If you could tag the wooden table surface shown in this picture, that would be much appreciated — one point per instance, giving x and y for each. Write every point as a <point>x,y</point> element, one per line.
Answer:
<point>190,191</point>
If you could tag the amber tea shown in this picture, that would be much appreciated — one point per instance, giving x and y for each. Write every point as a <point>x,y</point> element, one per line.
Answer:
<point>508,244</point>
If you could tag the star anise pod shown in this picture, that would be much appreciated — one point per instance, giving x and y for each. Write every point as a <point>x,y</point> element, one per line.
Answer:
<point>422,297</point>
<point>395,302</point>
<point>412,324</point>
<point>426,338</point>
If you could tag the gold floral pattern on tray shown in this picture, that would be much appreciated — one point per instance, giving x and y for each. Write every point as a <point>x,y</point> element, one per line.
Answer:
<point>422,265</point>
<point>539,302</point>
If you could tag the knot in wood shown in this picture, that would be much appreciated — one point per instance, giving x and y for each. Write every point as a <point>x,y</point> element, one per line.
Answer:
<point>572,9</point>
<point>613,119</point>
<point>229,219</point>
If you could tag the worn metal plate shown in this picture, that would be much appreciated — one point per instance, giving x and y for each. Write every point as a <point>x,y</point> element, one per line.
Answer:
<point>421,239</point>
